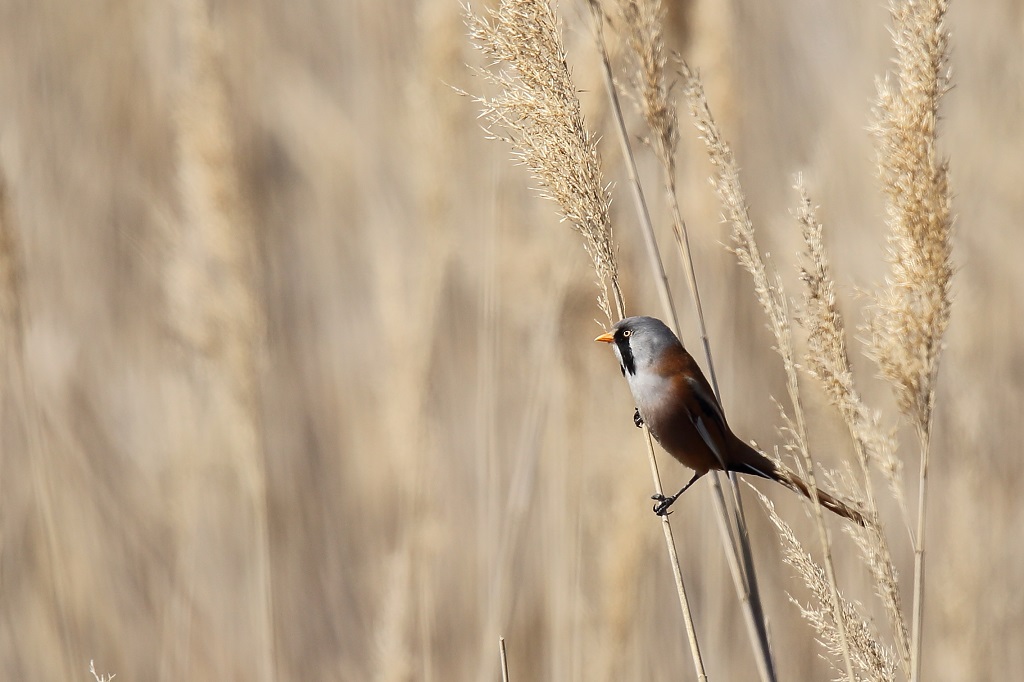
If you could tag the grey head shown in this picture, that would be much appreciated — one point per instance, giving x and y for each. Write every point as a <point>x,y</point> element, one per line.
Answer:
<point>640,341</point>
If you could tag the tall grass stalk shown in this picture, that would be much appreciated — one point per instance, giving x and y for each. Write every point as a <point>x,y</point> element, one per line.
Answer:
<point>511,526</point>
<point>643,21</point>
<point>770,295</point>
<point>503,656</point>
<point>538,113</point>
<point>913,309</point>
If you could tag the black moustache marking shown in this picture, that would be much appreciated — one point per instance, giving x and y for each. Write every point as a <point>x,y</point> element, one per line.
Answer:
<point>627,354</point>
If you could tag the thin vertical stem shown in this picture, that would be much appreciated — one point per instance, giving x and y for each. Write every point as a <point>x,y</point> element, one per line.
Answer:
<point>504,659</point>
<point>753,596</point>
<point>924,435</point>
<point>684,604</point>
<point>736,541</point>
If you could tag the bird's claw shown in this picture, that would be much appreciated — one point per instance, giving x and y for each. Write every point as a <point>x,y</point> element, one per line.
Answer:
<point>662,508</point>
<point>637,419</point>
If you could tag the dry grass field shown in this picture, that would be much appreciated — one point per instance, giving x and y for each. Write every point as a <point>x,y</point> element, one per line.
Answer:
<point>298,379</point>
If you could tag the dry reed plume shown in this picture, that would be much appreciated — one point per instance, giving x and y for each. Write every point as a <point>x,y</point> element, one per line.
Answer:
<point>537,111</point>
<point>843,629</point>
<point>913,309</point>
<point>643,21</point>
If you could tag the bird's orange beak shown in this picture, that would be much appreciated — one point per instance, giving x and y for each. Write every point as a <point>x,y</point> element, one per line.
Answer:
<point>607,337</point>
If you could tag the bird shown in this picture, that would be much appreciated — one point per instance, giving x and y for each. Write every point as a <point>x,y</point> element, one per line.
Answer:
<point>674,399</point>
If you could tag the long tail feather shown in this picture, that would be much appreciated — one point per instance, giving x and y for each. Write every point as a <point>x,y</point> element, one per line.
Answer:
<point>751,461</point>
<point>837,506</point>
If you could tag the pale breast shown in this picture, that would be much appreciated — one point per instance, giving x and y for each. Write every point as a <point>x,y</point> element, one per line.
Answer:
<point>652,395</point>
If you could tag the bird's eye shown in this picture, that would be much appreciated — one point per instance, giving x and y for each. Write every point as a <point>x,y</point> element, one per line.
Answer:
<point>627,333</point>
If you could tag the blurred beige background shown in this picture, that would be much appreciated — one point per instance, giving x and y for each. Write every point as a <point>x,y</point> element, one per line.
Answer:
<point>298,380</point>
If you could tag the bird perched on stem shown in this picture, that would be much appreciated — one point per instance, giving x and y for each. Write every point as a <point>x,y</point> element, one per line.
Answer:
<point>676,402</point>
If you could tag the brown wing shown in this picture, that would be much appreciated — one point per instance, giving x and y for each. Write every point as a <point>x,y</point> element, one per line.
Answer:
<point>692,428</point>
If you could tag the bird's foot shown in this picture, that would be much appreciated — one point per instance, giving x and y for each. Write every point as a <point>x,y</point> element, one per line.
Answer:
<point>661,509</point>
<point>637,419</point>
